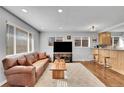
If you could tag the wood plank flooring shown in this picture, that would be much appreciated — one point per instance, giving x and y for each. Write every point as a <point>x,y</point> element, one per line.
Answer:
<point>109,77</point>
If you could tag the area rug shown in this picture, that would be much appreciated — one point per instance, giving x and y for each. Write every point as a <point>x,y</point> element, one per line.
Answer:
<point>75,76</point>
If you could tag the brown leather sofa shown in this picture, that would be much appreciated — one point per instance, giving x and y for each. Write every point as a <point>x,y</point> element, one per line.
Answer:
<point>25,70</point>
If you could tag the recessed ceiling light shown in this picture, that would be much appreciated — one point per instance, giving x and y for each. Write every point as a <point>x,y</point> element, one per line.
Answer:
<point>24,10</point>
<point>60,10</point>
<point>42,27</point>
<point>60,27</point>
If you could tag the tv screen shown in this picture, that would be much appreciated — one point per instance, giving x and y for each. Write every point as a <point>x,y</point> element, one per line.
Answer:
<point>62,46</point>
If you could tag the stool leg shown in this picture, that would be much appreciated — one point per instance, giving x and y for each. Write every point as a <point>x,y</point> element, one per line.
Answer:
<point>94,58</point>
<point>105,62</point>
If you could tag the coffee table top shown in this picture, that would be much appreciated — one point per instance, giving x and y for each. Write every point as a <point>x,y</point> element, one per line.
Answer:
<point>58,65</point>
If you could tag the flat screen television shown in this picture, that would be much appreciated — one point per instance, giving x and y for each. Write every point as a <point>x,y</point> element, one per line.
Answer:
<point>62,47</point>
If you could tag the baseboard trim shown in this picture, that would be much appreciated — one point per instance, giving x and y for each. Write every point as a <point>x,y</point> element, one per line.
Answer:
<point>3,82</point>
<point>76,61</point>
<point>81,61</point>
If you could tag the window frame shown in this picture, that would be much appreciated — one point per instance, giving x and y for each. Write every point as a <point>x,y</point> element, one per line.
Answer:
<point>81,37</point>
<point>113,39</point>
<point>15,27</point>
<point>27,39</point>
<point>88,42</point>
<point>80,42</point>
<point>7,33</point>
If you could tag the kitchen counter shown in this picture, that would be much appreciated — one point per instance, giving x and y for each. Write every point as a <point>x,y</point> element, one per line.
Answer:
<point>115,60</point>
<point>116,49</point>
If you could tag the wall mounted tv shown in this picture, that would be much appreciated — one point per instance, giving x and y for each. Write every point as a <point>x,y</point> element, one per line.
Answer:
<point>62,47</point>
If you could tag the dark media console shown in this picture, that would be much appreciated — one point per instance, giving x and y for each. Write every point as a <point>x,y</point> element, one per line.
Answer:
<point>67,56</point>
<point>63,50</point>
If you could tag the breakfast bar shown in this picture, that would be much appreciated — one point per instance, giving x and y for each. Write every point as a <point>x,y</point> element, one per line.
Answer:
<point>110,57</point>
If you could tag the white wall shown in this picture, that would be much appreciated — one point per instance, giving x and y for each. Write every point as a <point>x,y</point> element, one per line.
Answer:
<point>117,33</point>
<point>5,16</point>
<point>79,54</point>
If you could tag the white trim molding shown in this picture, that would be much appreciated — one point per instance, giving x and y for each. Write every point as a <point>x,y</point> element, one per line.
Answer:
<point>3,82</point>
<point>113,27</point>
<point>15,35</point>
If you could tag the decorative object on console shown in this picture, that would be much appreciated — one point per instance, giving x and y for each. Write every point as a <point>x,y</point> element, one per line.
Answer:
<point>67,56</point>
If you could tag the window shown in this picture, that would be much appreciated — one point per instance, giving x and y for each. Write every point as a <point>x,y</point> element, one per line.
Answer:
<point>10,40</point>
<point>85,42</point>
<point>18,40</point>
<point>21,41</point>
<point>77,42</point>
<point>115,40</point>
<point>82,42</point>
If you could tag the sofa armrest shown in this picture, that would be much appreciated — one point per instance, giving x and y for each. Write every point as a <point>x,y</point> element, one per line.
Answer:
<point>20,70</point>
<point>48,56</point>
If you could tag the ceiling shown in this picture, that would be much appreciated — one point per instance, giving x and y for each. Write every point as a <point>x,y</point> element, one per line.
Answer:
<point>73,18</point>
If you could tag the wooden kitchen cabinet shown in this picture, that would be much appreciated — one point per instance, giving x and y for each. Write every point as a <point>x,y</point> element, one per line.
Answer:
<point>119,66</point>
<point>117,61</point>
<point>114,59</point>
<point>95,51</point>
<point>105,38</point>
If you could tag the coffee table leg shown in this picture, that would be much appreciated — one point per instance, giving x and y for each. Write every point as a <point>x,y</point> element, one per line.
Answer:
<point>58,74</point>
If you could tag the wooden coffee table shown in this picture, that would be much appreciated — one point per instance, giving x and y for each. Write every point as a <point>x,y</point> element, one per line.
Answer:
<point>58,69</point>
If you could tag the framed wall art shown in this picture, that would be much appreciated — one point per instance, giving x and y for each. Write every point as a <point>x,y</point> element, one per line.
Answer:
<point>68,37</point>
<point>59,39</point>
<point>51,41</point>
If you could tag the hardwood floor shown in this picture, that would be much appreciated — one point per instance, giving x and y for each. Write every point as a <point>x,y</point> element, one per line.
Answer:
<point>109,77</point>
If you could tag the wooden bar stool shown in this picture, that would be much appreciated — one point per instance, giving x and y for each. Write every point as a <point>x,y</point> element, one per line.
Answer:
<point>105,60</point>
<point>94,56</point>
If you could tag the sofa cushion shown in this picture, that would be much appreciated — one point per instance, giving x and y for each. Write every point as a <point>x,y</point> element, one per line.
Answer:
<point>40,66</point>
<point>9,62</point>
<point>42,55</point>
<point>36,56</point>
<point>22,60</point>
<point>40,63</point>
<point>29,59</point>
